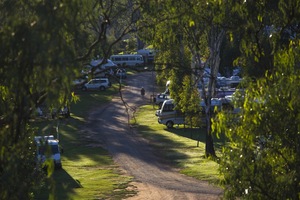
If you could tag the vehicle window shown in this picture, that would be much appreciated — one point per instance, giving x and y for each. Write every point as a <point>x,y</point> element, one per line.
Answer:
<point>132,58</point>
<point>168,107</point>
<point>54,149</point>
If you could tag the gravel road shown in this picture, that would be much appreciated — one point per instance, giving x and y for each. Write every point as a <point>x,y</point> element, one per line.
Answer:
<point>152,179</point>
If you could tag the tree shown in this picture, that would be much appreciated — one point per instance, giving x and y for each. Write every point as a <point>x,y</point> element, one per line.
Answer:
<point>189,103</point>
<point>37,53</point>
<point>182,32</point>
<point>43,46</point>
<point>261,158</point>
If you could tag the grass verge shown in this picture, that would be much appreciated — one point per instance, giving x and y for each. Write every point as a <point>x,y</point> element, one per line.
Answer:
<point>184,148</point>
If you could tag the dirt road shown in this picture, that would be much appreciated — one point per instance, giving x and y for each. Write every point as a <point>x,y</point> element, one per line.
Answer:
<point>152,179</point>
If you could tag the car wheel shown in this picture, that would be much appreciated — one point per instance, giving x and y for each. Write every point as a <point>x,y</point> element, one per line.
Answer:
<point>102,88</point>
<point>169,124</point>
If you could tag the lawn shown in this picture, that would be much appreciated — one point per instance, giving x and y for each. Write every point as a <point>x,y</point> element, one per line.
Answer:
<point>181,146</point>
<point>88,170</point>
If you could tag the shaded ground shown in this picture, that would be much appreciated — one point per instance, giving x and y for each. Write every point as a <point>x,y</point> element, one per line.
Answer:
<point>153,180</point>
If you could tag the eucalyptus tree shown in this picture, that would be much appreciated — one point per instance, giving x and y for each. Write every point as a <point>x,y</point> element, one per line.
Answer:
<point>210,26</point>
<point>37,59</point>
<point>43,46</point>
<point>262,27</point>
<point>261,159</point>
<point>189,31</point>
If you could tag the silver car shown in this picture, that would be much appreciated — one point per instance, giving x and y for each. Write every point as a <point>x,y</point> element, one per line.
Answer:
<point>97,84</point>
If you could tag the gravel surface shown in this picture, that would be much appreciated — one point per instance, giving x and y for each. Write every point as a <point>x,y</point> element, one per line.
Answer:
<point>153,179</point>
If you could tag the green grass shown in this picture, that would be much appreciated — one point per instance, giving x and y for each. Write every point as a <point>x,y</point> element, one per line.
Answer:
<point>88,170</point>
<point>182,147</point>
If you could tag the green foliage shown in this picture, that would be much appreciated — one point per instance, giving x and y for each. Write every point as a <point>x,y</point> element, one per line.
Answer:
<point>263,27</point>
<point>190,101</point>
<point>37,64</point>
<point>262,159</point>
<point>43,47</point>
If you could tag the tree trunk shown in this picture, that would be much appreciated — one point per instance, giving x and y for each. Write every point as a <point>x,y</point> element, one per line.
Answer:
<point>215,39</point>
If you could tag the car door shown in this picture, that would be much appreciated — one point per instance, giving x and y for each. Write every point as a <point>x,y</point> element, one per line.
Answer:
<point>94,84</point>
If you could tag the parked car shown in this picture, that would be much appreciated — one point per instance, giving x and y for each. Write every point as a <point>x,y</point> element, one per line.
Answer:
<point>121,73</point>
<point>160,98</point>
<point>97,84</point>
<point>80,81</point>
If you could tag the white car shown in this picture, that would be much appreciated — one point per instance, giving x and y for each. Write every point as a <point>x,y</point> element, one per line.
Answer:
<point>160,98</point>
<point>97,84</point>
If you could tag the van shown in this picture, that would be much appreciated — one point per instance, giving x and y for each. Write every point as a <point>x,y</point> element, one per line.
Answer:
<point>48,148</point>
<point>168,116</point>
<point>132,60</point>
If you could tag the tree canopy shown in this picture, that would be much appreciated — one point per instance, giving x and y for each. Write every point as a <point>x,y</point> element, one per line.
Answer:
<point>261,160</point>
<point>44,45</point>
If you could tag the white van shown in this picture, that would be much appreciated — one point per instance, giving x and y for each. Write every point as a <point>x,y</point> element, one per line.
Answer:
<point>168,116</point>
<point>48,148</point>
<point>132,60</point>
